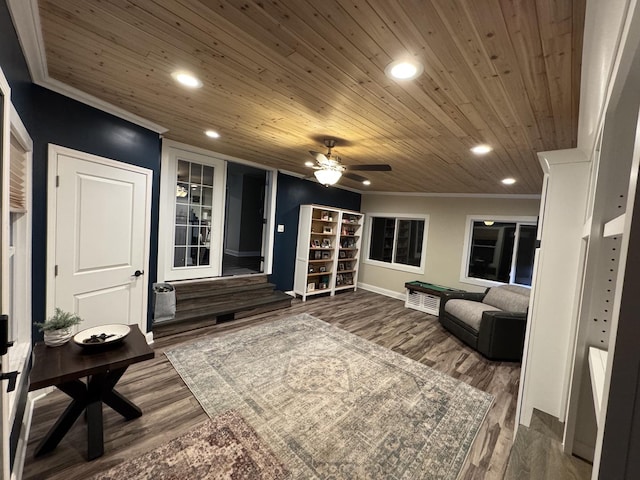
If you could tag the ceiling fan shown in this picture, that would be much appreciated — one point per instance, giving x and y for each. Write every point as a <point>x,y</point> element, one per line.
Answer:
<point>328,168</point>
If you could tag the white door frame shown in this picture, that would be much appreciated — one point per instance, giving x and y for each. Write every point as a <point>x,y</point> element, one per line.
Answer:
<point>167,205</point>
<point>4,271</point>
<point>171,153</point>
<point>54,151</point>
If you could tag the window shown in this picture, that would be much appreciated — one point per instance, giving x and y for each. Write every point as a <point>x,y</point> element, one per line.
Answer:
<point>16,260</point>
<point>499,251</point>
<point>397,242</point>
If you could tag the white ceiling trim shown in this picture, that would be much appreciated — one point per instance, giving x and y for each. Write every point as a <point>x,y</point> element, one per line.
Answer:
<point>166,143</point>
<point>510,196</point>
<point>533,196</point>
<point>26,20</point>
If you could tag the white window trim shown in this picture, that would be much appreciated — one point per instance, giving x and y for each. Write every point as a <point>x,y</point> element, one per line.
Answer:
<point>466,250</point>
<point>21,317</point>
<point>395,266</point>
<point>22,248</point>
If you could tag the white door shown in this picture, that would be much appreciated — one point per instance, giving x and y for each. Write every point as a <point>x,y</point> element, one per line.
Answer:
<point>191,215</point>
<point>101,224</point>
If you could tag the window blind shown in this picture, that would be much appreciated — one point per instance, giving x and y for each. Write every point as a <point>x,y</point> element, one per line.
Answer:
<point>17,179</point>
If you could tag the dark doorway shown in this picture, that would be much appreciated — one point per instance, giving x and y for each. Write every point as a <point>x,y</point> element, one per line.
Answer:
<point>244,220</point>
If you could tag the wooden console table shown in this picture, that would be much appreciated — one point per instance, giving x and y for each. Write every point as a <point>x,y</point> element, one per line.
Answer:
<point>64,366</point>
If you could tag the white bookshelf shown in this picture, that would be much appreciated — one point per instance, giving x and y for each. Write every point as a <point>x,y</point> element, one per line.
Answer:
<point>328,250</point>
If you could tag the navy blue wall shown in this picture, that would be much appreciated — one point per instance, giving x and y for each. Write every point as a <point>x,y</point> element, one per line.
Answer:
<point>53,118</point>
<point>293,192</point>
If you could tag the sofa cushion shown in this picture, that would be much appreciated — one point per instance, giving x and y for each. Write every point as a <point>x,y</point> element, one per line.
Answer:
<point>510,298</point>
<point>468,311</point>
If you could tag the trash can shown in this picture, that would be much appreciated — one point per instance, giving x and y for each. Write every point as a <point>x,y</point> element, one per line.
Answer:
<point>164,305</point>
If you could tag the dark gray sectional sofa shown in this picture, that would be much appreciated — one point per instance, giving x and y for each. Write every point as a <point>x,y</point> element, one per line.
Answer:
<point>493,322</point>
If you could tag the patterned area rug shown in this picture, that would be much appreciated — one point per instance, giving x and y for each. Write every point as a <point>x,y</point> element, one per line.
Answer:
<point>331,405</point>
<point>225,448</point>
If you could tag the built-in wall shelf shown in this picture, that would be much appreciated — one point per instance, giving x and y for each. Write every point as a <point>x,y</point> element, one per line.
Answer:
<point>614,227</point>
<point>597,368</point>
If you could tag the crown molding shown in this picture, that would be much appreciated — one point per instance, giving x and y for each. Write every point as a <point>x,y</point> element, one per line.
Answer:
<point>533,196</point>
<point>26,20</point>
<point>514,196</point>
<point>167,143</point>
<point>312,179</point>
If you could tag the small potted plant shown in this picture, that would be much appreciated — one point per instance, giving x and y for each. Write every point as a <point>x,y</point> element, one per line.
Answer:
<point>57,328</point>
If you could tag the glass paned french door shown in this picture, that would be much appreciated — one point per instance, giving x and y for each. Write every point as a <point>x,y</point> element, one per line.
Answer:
<point>193,207</point>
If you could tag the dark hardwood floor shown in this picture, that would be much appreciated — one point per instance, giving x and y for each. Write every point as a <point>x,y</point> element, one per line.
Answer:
<point>537,453</point>
<point>170,409</point>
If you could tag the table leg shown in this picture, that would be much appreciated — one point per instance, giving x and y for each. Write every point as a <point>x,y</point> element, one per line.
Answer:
<point>116,400</point>
<point>89,397</point>
<point>122,405</point>
<point>78,391</point>
<point>95,435</point>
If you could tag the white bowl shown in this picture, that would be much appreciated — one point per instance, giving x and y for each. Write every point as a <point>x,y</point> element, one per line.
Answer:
<point>111,334</point>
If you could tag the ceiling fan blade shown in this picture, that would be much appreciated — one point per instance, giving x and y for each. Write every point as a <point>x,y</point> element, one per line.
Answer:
<point>373,167</point>
<point>320,157</point>
<point>353,176</point>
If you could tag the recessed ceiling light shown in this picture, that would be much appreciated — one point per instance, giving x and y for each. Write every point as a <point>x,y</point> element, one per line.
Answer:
<point>212,134</point>
<point>187,79</point>
<point>508,181</point>
<point>309,163</point>
<point>366,182</point>
<point>481,149</point>
<point>404,69</point>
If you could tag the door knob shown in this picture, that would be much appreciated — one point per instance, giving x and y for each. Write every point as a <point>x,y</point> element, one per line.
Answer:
<point>137,273</point>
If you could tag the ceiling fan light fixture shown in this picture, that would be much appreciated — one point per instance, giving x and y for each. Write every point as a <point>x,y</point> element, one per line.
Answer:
<point>187,79</point>
<point>404,69</point>
<point>309,164</point>
<point>327,176</point>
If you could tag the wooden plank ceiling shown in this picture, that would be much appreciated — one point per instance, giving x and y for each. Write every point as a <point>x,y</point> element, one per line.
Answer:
<point>281,75</point>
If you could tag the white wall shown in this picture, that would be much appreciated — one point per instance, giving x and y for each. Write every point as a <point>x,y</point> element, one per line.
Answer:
<point>603,27</point>
<point>445,239</point>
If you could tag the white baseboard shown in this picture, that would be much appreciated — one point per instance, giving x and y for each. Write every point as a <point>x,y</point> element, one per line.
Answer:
<point>526,415</point>
<point>381,291</point>
<point>149,337</point>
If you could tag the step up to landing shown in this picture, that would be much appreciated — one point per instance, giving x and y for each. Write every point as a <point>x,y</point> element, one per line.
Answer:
<point>204,303</point>
<point>223,292</point>
<point>227,310</point>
